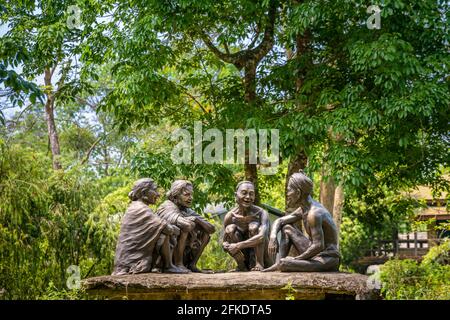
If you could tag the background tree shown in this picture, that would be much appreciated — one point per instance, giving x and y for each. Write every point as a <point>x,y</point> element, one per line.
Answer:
<point>363,112</point>
<point>46,36</point>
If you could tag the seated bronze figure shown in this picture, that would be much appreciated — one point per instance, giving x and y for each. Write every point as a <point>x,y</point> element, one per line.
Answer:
<point>246,230</point>
<point>318,250</point>
<point>144,237</point>
<point>195,231</point>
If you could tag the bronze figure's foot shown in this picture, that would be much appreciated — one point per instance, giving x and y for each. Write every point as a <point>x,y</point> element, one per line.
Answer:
<point>258,267</point>
<point>183,268</point>
<point>275,267</point>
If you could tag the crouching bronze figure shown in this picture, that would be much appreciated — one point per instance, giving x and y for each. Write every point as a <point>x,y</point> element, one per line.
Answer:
<point>315,251</point>
<point>246,230</point>
<point>144,237</point>
<point>195,231</point>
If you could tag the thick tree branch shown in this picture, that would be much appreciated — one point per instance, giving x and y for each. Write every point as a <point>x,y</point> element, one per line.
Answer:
<point>230,58</point>
<point>268,39</point>
<point>52,70</point>
<point>227,50</point>
<point>249,55</point>
<point>252,44</point>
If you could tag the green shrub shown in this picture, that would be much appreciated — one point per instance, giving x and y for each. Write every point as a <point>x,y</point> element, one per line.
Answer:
<point>439,254</point>
<point>54,293</point>
<point>410,280</point>
<point>46,220</point>
<point>214,257</point>
<point>354,240</point>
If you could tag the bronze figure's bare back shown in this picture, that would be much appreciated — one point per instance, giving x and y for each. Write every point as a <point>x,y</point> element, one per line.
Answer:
<point>315,251</point>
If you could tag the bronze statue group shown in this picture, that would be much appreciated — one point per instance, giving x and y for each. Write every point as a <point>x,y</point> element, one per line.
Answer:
<point>173,239</point>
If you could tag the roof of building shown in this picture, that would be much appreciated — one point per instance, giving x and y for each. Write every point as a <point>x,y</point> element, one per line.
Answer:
<point>425,193</point>
<point>436,203</point>
<point>439,213</point>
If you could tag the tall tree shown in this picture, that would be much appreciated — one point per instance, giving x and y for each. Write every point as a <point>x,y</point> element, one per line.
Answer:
<point>364,85</point>
<point>226,40</point>
<point>368,87</point>
<point>48,34</point>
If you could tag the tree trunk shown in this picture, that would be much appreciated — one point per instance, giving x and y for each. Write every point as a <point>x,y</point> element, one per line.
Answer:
<point>301,42</point>
<point>339,198</point>
<point>327,190</point>
<point>249,59</point>
<point>300,160</point>
<point>50,119</point>
<point>250,82</point>
<point>251,172</point>
<point>106,157</point>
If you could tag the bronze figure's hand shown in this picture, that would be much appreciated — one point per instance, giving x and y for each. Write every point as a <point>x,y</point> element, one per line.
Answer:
<point>192,218</point>
<point>233,248</point>
<point>175,230</point>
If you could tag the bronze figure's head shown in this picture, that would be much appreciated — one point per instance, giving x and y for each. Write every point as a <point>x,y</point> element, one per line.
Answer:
<point>300,187</point>
<point>181,193</point>
<point>245,194</point>
<point>144,190</point>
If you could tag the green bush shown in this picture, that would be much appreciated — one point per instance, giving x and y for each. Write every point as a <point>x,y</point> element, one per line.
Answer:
<point>214,257</point>
<point>46,220</point>
<point>410,280</point>
<point>377,214</point>
<point>439,254</point>
<point>354,240</point>
<point>104,227</point>
<point>54,293</point>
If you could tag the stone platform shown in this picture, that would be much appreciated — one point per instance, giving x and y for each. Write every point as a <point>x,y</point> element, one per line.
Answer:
<point>232,286</point>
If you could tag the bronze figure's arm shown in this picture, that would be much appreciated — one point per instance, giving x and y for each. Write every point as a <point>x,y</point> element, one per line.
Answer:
<point>288,219</point>
<point>207,226</point>
<point>226,221</point>
<point>318,243</point>
<point>276,227</point>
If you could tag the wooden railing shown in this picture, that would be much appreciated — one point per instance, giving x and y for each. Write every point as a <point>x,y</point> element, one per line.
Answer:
<point>415,247</point>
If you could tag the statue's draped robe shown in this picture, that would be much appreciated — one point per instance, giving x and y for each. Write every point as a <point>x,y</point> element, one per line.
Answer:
<point>139,233</point>
<point>170,212</point>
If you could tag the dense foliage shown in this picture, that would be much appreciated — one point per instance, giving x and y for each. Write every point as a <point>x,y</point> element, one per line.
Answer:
<point>44,224</point>
<point>88,104</point>
<point>411,280</point>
